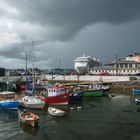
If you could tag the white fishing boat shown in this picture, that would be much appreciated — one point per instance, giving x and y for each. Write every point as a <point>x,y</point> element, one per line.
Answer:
<point>32,102</point>
<point>56,112</point>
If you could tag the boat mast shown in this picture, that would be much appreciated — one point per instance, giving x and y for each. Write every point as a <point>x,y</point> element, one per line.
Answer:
<point>26,66</point>
<point>33,65</point>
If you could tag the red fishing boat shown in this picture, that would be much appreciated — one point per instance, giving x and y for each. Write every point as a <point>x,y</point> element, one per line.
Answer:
<point>56,96</point>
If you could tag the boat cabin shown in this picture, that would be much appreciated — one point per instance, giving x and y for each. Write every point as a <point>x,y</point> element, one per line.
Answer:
<point>54,91</point>
<point>7,95</point>
<point>96,86</point>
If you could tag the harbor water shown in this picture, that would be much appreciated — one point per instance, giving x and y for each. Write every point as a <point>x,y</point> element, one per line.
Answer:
<point>94,118</point>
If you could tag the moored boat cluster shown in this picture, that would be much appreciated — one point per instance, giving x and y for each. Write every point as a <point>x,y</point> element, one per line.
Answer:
<point>51,96</point>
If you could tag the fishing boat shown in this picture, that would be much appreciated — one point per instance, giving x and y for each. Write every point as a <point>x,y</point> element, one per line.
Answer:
<point>53,111</point>
<point>62,99</point>
<point>56,96</point>
<point>136,91</point>
<point>8,100</point>
<point>32,102</point>
<point>26,117</point>
<point>105,88</point>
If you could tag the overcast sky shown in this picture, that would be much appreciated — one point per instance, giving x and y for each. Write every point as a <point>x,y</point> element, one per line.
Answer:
<point>65,29</point>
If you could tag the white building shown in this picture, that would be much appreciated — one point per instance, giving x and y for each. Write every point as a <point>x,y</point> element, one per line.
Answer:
<point>119,67</point>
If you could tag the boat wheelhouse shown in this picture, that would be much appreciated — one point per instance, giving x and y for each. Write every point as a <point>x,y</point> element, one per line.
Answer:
<point>56,96</point>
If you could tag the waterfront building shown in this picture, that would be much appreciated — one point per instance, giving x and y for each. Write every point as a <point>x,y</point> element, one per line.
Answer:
<point>129,65</point>
<point>133,57</point>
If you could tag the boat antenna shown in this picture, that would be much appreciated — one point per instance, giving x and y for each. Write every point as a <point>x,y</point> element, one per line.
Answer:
<point>59,63</point>
<point>116,57</point>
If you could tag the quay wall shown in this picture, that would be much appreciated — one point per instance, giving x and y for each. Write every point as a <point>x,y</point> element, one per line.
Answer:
<point>127,85</point>
<point>74,78</point>
<point>118,82</point>
<point>87,78</point>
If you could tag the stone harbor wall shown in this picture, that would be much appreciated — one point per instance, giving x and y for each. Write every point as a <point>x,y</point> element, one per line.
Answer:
<point>87,78</point>
<point>127,85</point>
<point>118,82</point>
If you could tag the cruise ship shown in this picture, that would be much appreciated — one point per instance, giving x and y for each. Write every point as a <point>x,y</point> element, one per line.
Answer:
<point>83,63</point>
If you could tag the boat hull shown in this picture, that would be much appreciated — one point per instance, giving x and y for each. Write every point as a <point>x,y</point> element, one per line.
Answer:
<point>56,112</point>
<point>106,91</point>
<point>94,93</point>
<point>30,119</point>
<point>8,104</point>
<point>62,99</point>
<point>100,86</point>
<point>73,97</point>
<point>136,91</point>
<point>32,102</point>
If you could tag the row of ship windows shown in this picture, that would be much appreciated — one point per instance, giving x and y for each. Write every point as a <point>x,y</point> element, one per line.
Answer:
<point>115,71</point>
<point>127,65</point>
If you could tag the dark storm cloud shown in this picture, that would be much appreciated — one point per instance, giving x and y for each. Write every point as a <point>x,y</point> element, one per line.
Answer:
<point>68,17</point>
<point>19,50</point>
<point>14,50</point>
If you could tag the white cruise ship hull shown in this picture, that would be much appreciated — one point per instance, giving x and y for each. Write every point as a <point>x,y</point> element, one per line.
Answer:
<point>81,67</point>
<point>82,64</point>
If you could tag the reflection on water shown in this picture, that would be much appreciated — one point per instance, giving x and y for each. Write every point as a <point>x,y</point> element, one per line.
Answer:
<point>8,116</point>
<point>30,130</point>
<point>94,119</point>
<point>8,124</point>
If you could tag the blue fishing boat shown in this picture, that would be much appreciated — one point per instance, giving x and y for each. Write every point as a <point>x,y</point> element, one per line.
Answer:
<point>8,100</point>
<point>136,91</point>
